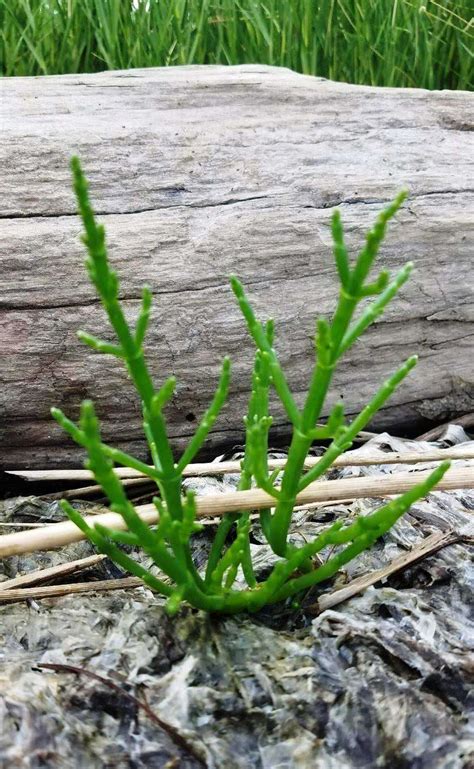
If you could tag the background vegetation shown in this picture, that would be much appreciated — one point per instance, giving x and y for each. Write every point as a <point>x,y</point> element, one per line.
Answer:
<point>377,42</point>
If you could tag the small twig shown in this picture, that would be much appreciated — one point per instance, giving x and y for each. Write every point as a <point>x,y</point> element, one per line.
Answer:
<point>170,730</point>
<point>53,591</point>
<point>141,498</point>
<point>210,506</point>
<point>52,572</point>
<point>88,491</point>
<point>429,546</point>
<point>349,459</point>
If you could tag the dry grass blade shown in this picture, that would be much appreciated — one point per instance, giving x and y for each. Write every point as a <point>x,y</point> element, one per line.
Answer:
<point>52,572</point>
<point>430,545</point>
<point>63,533</point>
<point>220,468</point>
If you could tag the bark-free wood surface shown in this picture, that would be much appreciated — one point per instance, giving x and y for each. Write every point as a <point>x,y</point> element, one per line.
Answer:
<point>198,172</point>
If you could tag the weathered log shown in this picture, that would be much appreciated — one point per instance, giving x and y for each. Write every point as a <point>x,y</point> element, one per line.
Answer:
<point>198,172</point>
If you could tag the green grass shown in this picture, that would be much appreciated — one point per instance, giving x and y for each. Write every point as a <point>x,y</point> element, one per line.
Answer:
<point>377,42</point>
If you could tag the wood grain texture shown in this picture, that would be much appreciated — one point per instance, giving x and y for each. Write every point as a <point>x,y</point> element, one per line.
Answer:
<point>198,172</point>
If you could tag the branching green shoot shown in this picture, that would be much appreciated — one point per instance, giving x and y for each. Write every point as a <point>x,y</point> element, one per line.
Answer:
<point>169,544</point>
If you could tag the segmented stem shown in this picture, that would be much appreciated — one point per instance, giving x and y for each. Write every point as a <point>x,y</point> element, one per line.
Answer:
<point>168,543</point>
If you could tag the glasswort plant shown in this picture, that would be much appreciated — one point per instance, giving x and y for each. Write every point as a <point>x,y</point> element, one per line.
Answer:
<point>169,542</point>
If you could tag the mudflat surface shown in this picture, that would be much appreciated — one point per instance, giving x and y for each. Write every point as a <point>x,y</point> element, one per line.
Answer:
<point>381,680</point>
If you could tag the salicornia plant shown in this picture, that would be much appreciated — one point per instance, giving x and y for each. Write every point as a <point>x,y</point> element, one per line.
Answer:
<point>169,542</point>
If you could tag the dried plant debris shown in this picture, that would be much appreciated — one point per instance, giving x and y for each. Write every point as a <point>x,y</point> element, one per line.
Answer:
<point>383,680</point>
<point>37,511</point>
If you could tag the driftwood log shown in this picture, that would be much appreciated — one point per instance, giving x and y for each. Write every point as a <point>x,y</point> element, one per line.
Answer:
<point>198,172</point>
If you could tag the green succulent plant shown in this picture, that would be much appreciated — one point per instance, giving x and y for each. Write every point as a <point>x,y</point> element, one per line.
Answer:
<point>168,543</point>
